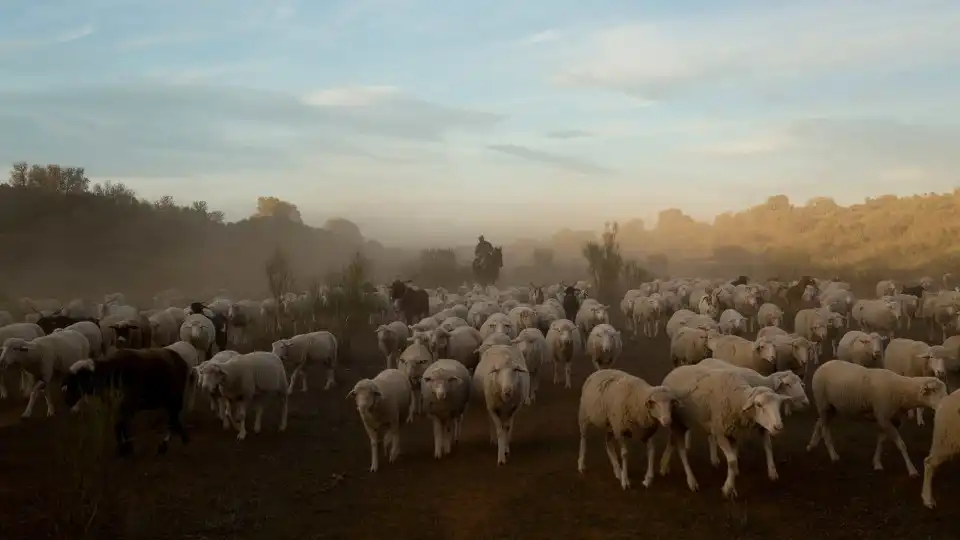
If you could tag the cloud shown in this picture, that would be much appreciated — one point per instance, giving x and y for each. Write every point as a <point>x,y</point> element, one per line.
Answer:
<point>67,36</point>
<point>752,146</point>
<point>661,58</point>
<point>75,34</point>
<point>555,160</point>
<point>542,37</point>
<point>168,130</point>
<point>355,96</point>
<point>568,134</point>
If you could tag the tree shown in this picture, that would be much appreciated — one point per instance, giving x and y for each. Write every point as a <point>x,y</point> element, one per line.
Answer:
<point>344,228</point>
<point>605,261</point>
<point>18,175</point>
<point>440,267</point>
<point>275,207</point>
<point>279,277</point>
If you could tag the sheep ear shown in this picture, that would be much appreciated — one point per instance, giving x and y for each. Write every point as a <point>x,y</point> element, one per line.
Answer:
<point>749,404</point>
<point>516,340</point>
<point>351,394</point>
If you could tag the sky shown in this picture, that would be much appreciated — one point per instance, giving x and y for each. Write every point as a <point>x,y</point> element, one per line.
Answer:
<point>432,121</point>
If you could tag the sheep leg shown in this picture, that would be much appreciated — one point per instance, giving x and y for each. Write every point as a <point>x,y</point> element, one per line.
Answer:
<point>919,416</point>
<point>31,403</point>
<point>930,464</point>
<point>502,445</point>
<point>828,441</point>
<point>685,461</point>
<point>49,399</point>
<point>624,450</point>
<point>284,411</point>
<point>448,431</point>
<point>438,435</point>
<point>412,408</point>
<point>3,388</point>
<point>582,455</point>
<point>651,454</point>
<point>609,441</point>
<point>768,450</point>
<point>374,449</point>
<point>394,434</point>
<point>556,372</point>
<point>568,374</point>
<point>714,457</point>
<point>667,454</point>
<point>892,433</point>
<point>122,434</point>
<point>729,489</point>
<point>174,425</point>
<point>241,419</point>
<point>257,416</point>
<point>297,372</point>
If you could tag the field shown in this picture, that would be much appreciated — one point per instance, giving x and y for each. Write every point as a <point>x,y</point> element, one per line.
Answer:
<point>312,481</point>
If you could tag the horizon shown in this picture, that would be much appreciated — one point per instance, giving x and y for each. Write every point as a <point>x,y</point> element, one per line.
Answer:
<point>426,122</point>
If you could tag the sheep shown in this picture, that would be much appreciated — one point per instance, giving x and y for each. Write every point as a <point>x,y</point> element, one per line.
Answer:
<point>199,331</point>
<point>498,322</point>
<point>732,322</point>
<point>785,383</point>
<point>25,331</point>
<point>146,378</point>
<point>523,317</point>
<point>303,350</point>
<point>189,355</point>
<point>246,316</point>
<point>769,315</point>
<point>623,405</point>
<point>413,361</point>
<point>861,348</point>
<point>882,316</point>
<point>44,358</point>
<point>217,402</point>
<point>452,323</point>
<point>685,317</point>
<point>915,359</point>
<point>564,345</point>
<point>688,346</point>
<point>390,340</point>
<point>590,314</point>
<point>645,313</point>
<point>759,355</point>
<point>603,346</point>
<point>844,388</point>
<point>502,381</point>
<point>726,407</point>
<point>383,402</point>
<point>245,380</point>
<point>811,324</point>
<point>792,352</point>
<point>91,331</point>
<point>460,344</point>
<point>445,393</point>
<point>164,328</point>
<point>6,318</point>
<point>945,443</point>
<point>533,347</point>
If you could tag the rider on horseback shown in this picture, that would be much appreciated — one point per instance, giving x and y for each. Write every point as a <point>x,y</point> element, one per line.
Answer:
<point>483,250</point>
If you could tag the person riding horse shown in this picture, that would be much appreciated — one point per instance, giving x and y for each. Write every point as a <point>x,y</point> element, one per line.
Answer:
<point>483,250</point>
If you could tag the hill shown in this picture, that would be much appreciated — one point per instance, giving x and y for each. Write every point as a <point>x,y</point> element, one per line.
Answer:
<point>61,236</point>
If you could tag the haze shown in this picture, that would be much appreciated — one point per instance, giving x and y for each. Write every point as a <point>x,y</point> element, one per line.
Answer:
<point>429,121</point>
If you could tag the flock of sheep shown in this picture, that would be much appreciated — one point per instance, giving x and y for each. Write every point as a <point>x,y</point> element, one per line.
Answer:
<point>489,346</point>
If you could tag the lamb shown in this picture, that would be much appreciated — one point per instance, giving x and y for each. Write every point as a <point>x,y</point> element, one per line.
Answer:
<point>785,383</point>
<point>391,338</point>
<point>413,361</point>
<point>844,388</point>
<point>245,316</point>
<point>533,347</point>
<point>811,324</point>
<point>164,328</point>
<point>460,344</point>
<point>685,317</point>
<point>44,358</point>
<point>452,323</point>
<point>190,356</point>
<point>603,346</point>
<point>915,359</point>
<point>383,402</point>
<point>688,346</point>
<point>26,332</point>
<point>882,316</point>
<point>445,393</point>
<point>769,315</point>
<point>133,332</point>
<point>726,407</point>
<point>732,322</point>
<point>498,322</point>
<point>645,313</point>
<point>502,380</point>
<point>945,444</point>
<point>246,380</point>
<point>199,331</point>
<point>564,345</point>
<point>217,402</point>
<point>590,314</point>
<point>623,405</point>
<point>861,348</point>
<point>91,331</point>
<point>305,349</point>
<point>523,317</point>
<point>759,355</point>
<point>793,352</point>
<point>146,378</point>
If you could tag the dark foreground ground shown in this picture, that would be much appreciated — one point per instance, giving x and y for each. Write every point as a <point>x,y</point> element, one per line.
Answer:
<point>312,481</point>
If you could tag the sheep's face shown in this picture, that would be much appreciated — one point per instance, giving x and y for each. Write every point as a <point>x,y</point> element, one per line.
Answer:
<point>608,340</point>
<point>439,342</point>
<point>414,364</point>
<point>280,348</point>
<point>765,407</point>
<point>212,377</point>
<point>875,344</point>
<point>509,380</point>
<point>528,318</point>
<point>765,350</point>
<point>15,351</point>
<point>790,385</point>
<point>932,391</point>
<point>420,337</point>
<point>934,364</point>
<point>366,394</point>
<point>818,331</point>
<point>440,385</point>
<point>801,351</point>
<point>660,405</point>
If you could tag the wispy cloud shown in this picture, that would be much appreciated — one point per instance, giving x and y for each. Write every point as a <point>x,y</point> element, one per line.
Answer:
<point>75,34</point>
<point>752,146</point>
<point>568,134</point>
<point>67,36</point>
<point>542,37</point>
<point>555,160</point>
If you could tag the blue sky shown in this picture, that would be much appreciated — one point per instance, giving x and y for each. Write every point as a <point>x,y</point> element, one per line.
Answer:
<point>428,121</point>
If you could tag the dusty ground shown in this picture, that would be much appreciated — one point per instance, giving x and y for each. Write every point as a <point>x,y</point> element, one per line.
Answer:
<point>312,481</point>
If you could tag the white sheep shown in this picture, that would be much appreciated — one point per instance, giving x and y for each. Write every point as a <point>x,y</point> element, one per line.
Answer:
<point>564,346</point>
<point>813,325</point>
<point>945,444</point>
<point>199,331</point>
<point>245,317</point>
<point>164,328</point>
<point>793,352</point>
<point>218,403</point>
<point>881,315</point>
<point>304,350</point>
<point>861,348</point>
<point>190,356</point>
<point>533,347</point>
<point>769,315</point>
<point>502,380</point>
<point>523,317</point>
<point>646,313</point>
<point>759,355</point>
<point>849,389</point>
<point>603,346</point>
<point>498,322</point>
<point>732,322</point>
<point>688,346</point>
<point>391,339</point>
<point>383,403</point>
<point>91,331</point>
<point>685,317</point>
<point>624,406</point>
<point>445,392</point>
<point>915,359</point>
<point>25,331</point>
<point>247,380</point>
<point>6,318</point>
<point>452,323</point>
<point>460,344</point>
<point>785,383</point>
<point>725,406</point>
<point>413,361</point>
<point>44,358</point>
<point>590,314</point>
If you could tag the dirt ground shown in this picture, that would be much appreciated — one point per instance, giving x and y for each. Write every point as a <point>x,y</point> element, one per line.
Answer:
<point>312,481</point>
